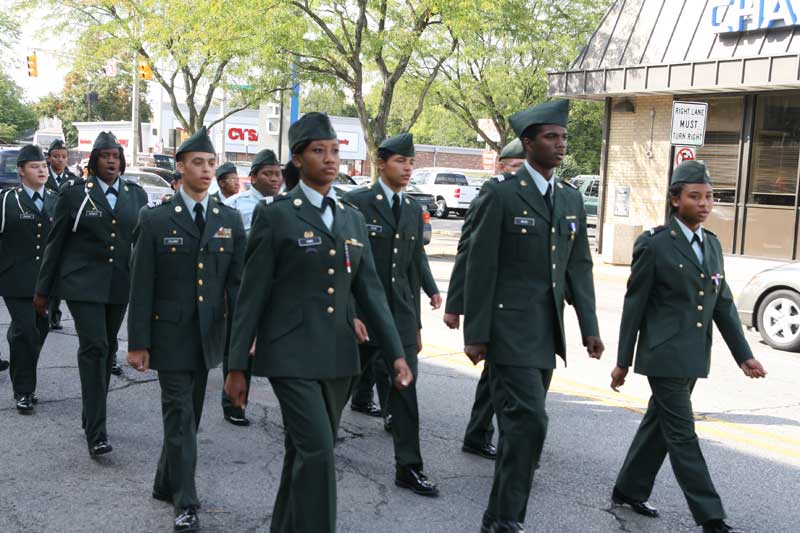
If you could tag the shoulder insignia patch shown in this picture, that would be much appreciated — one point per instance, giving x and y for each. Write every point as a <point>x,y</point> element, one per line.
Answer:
<point>568,184</point>
<point>349,204</point>
<point>657,229</point>
<point>709,232</point>
<point>131,182</point>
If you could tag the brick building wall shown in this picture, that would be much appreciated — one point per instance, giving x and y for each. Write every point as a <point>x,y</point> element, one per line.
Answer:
<point>466,158</point>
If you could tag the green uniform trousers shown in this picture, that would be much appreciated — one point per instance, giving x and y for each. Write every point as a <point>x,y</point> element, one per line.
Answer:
<point>54,310</point>
<point>182,397</point>
<point>518,395</point>
<point>227,405</point>
<point>668,428</point>
<point>26,335</point>
<point>311,410</point>
<point>480,429</point>
<point>97,325</point>
<point>373,373</point>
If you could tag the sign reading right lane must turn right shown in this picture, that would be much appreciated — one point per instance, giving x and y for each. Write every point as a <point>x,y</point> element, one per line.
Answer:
<point>688,123</point>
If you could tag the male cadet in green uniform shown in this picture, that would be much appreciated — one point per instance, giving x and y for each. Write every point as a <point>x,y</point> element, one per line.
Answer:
<point>478,436</point>
<point>527,248</point>
<point>676,289</point>
<point>86,262</point>
<point>58,175</point>
<point>187,263</point>
<point>266,179</point>
<point>227,180</point>
<point>394,222</point>
<point>26,215</point>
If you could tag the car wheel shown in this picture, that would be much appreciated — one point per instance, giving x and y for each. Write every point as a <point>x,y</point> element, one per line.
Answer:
<point>779,320</point>
<point>441,208</point>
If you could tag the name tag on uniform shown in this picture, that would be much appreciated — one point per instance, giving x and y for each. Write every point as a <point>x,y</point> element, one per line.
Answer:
<point>223,233</point>
<point>522,221</point>
<point>375,229</point>
<point>313,241</point>
<point>173,241</point>
<point>93,213</point>
<point>26,216</point>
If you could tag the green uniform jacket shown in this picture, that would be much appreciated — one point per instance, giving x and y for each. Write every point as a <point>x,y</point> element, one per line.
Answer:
<point>296,289</point>
<point>89,247</point>
<point>53,185</point>
<point>518,268</point>
<point>670,304</point>
<point>181,282</point>
<point>399,255</point>
<point>23,234</point>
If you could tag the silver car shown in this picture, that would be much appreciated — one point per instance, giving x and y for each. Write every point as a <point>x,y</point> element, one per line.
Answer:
<point>155,186</point>
<point>770,302</point>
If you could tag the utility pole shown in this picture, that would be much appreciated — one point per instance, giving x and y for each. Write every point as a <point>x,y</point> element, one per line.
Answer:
<point>135,111</point>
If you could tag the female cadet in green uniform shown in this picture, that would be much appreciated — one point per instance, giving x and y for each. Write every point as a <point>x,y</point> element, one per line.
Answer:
<point>26,215</point>
<point>86,264</point>
<point>676,290</point>
<point>307,256</point>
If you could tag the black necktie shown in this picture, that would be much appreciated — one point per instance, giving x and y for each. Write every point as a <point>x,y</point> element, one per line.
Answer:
<point>328,202</point>
<point>548,200</point>
<point>37,196</point>
<point>111,190</point>
<point>396,207</point>
<point>198,217</point>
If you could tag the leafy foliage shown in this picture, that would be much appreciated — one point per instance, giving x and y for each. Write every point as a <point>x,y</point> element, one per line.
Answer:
<point>15,115</point>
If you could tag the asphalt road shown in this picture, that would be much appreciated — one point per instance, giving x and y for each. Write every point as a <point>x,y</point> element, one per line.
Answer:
<point>750,434</point>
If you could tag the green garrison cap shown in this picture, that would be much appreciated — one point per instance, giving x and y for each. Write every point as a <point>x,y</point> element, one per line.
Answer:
<point>264,158</point>
<point>691,172</point>
<point>106,140</point>
<point>225,168</point>
<point>402,144</point>
<point>512,150</point>
<point>29,152</point>
<point>552,112</point>
<point>198,142</point>
<point>311,127</point>
<point>57,144</point>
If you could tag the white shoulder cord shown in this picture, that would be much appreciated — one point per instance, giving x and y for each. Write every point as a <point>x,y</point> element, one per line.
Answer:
<point>80,210</point>
<point>3,216</point>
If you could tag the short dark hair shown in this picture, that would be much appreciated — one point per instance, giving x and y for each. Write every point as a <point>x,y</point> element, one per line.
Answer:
<point>675,191</point>
<point>96,154</point>
<point>385,154</point>
<point>531,132</point>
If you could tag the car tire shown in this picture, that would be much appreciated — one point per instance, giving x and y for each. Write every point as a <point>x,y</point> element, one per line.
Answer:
<point>441,208</point>
<point>778,319</point>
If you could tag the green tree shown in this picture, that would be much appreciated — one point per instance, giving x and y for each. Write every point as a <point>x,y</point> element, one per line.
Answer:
<point>113,100</point>
<point>15,115</point>
<point>327,99</point>
<point>585,137</point>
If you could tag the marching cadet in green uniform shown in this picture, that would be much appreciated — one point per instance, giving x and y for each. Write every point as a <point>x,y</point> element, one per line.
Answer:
<point>675,291</point>
<point>528,247</point>
<point>86,262</point>
<point>479,433</point>
<point>227,180</point>
<point>58,175</point>
<point>307,256</point>
<point>186,269</point>
<point>266,179</point>
<point>394,223</point>
<point>26,215</point>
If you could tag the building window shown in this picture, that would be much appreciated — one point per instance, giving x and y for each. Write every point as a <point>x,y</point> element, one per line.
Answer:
<point>776,150</point>
<point>721,149</point>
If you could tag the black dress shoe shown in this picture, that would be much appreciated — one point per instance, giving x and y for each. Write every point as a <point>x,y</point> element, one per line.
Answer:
<point>187,520</point>
<point>369,408</point>
<point>55,325</point>
<point>100,447</point>
<point>237,418</point>
<point>486,523</point>
<point>3,364</point>
<point>24,403</point>
<point>506,526</point>
<point>642,508</point>
<point>486,450</point>
<point>116,369</point>
<point>413,479</point>
<point>719,526</point>
<point>161,496</point>
<point>387,423</point>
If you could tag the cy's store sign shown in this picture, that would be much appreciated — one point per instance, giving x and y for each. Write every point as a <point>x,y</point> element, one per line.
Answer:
<point>749,15</point>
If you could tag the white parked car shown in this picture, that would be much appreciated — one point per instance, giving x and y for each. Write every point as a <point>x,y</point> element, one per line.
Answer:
<point>450,188</point>
<point>154,185</point>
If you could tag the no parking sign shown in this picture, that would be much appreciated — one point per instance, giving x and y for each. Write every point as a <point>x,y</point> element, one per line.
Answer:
<point>683,153</point>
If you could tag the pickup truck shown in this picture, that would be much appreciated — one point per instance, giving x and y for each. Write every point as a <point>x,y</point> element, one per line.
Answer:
<point>449,187</point>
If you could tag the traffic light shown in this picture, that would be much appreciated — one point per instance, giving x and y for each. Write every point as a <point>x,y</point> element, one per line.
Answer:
<point>145,72</point>
<point>33,69</point>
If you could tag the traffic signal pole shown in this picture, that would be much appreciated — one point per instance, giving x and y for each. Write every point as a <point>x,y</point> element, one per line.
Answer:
<point>135,112</point>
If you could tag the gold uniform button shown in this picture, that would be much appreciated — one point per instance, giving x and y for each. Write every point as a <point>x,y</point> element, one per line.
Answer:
<point>39,225</point>
<point>200,282</point>
<point>554,284</point>
<point>331,272</point>
<point>38,235</point>
<point>372,234</point>
<point>702,275</point>
<point>113,221</point>
<point>37,257</point>
<point>110,259</point>
<point>330,310</point>
<point>554,266</point>
<point>37,246</point>
<point>499,306</point>
<point>200,298</point>
<point>397,236</point>
<point>200,266</point>
<point>394,265</point>
<point>699,307</point>
<point>702,293</point>
<point>156,317</point>
<point>113,235</point>
<point>332,253</point>
<point>524,212</point>
<point>173,249</point>
<point>699,324</point>
<point>553,247</point>
<point>524,230</point>
<point>395,250</point>
<point>331,290</point>
<point>392,280</point>
<point>111,247</point>
<point>553,230</point>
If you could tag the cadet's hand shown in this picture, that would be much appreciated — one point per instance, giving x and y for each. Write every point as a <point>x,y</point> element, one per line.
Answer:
<point>594,346</point>
<point>618,377</point>
<point>139,360</point>
<point>475,352</point>
<point>402,374</point>
<point>252,352</point>
<point>361,331</point>
<point>40,303</point>
<point>436,301</point>
<point>452,320</point>
<point>236,388</point>
<point>752,368</point>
